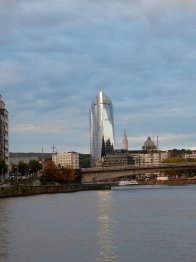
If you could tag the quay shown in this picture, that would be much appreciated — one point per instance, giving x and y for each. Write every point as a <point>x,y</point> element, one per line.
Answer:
<point>27,190</point>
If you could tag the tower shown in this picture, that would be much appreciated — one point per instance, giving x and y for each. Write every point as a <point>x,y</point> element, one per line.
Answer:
<point>4,143</point>
<point>125,141</point>
<point>101,128</point>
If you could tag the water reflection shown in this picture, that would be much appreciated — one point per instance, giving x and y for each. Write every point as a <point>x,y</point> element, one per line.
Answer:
<point>106,228</point>
<point>4,232</point>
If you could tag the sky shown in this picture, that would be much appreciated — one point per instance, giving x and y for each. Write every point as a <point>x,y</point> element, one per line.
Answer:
<point>56,56</point>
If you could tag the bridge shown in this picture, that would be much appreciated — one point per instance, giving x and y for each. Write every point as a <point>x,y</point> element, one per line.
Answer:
<point>99,174</point>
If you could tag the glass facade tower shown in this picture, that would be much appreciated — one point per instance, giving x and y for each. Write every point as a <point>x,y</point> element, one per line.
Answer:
<point>101,128</point>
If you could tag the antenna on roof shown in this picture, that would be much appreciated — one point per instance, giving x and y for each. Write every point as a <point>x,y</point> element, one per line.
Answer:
<point>53,148</point>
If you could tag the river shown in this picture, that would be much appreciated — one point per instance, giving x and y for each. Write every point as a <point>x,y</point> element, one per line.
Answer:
<point>137,224</point>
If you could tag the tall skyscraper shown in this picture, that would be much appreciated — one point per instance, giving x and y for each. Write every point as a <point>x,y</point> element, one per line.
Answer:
<point>4,142</point>
<point>101,128</point>
<point>125,141</point>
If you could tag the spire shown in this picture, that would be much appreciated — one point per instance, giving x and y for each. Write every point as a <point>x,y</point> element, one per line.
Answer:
<point>125,141</point>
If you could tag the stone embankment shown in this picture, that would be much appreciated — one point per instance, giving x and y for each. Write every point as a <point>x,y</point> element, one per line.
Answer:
<point>25,190</point>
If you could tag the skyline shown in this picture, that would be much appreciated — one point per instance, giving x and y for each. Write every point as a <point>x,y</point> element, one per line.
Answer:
<point>55,57</point>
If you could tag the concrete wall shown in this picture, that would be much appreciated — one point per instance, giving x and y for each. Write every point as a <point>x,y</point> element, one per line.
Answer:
<point>22,190</point>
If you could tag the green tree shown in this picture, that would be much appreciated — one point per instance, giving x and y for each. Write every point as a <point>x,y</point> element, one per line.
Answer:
<point>23,168</point>
<point>35,166</point>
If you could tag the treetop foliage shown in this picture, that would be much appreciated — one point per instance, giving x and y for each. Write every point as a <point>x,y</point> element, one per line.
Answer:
<point>53,173</point>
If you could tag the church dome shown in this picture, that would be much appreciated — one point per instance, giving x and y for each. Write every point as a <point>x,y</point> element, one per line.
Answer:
<point>149,144</point>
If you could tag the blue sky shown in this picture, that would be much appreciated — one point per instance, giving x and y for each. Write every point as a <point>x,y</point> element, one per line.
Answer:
<point>55,56</point>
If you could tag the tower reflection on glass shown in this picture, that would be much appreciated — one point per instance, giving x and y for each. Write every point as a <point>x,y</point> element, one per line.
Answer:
<point>101,129</point>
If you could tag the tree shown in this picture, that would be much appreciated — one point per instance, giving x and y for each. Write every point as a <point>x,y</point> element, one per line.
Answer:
<point>51,171</point>
<point>69,174</point>
<point>14,168</point>
<point>35,166</point>
<point>177,159</point>
<point>23,168</point>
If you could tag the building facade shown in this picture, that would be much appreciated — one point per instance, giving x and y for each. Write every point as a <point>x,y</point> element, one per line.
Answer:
<point>66,159</point>
<point>148,158</point>
<point>4,132</point>
<point>134,158</point>
<point>101,128</point>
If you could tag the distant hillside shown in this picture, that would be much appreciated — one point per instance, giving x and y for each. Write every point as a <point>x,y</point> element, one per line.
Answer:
<point>46,156</point>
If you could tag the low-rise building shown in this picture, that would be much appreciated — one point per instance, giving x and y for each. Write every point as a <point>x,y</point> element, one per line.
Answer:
<point>136,158</point>
<point>116,160</point>
<point>190,156</point>
<point>147,157</point>
<point>66,159</point>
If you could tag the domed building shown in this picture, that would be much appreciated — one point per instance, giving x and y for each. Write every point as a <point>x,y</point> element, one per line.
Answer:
<point>149,145</point>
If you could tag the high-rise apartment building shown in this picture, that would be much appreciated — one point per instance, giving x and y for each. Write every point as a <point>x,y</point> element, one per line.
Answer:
<point>4,142</point>
<point>101,128</point>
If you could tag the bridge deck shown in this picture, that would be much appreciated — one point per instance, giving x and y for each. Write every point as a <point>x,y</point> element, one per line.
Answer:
<point>101,173</point>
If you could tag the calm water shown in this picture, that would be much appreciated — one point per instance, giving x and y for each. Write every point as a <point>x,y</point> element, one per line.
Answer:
<point>137,224</point>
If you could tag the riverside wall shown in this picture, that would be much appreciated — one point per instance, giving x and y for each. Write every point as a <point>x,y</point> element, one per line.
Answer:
<point>25,190</point>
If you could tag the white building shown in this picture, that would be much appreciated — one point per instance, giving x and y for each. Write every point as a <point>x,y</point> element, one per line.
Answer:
<point>66,159</point>
<point>190,156</point>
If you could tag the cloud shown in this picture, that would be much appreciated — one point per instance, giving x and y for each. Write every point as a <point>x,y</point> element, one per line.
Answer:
<point>56,56</point>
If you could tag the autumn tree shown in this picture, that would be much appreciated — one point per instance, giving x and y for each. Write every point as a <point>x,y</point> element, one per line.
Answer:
<point>177,159</point>
<point>14,168</point>
<point>69,174</point>
<point>51,171</point>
